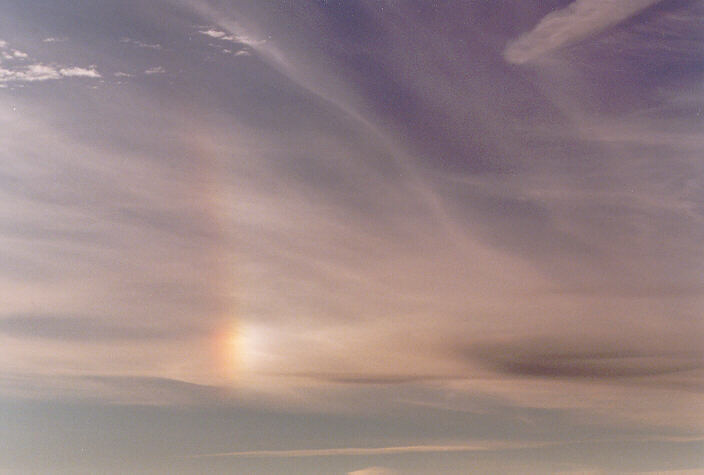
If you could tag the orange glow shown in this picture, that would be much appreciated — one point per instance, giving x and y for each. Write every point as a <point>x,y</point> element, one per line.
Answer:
<point>228,348</point>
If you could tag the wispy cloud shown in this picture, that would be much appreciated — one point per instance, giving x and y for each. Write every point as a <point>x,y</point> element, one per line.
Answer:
<point>577,21</point>
<point>140,44</point>
<point>481,446</point>
<point>410,449</point>
<point>155,70</point>
<point>240,38</point>
<point>372,218</point>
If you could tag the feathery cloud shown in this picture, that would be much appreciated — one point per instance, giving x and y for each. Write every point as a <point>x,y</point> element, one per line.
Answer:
<point>577,21</point>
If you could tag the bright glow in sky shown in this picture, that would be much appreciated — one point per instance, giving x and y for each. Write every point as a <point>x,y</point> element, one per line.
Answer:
<point>359,236</point>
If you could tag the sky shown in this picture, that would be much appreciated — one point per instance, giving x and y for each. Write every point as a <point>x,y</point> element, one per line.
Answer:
<point>363,237</point>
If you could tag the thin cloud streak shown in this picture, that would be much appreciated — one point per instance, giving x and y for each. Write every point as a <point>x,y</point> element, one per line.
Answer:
<point>483,446</point>
<point>369,451</point>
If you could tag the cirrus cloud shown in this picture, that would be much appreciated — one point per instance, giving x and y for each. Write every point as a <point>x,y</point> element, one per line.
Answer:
<point>575,22</point>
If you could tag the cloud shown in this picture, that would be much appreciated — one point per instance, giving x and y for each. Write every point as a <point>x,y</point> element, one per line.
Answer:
<point>9,53</point>
<point>80,72</point>
<point>52,39</point>
<point>24,72</point>
<point>369,378</point>
<point>333,247</point>
<point>155,70</point>
<point>64,328</point>
<point>479,446</point>
<point>140,44</point>
<point>567,358</point>
<point>43,72</point>
<point>577,21</point>
<point>31,73</point>
<point>355,451</point>
<point>233,37</point>
<point>213,33</point>
<point>373,471</point>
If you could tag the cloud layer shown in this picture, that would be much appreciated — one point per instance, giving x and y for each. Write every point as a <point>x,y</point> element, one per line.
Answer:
<point>398,226</point>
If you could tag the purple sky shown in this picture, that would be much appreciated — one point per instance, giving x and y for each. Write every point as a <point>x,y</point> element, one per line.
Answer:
<point>356,237</point>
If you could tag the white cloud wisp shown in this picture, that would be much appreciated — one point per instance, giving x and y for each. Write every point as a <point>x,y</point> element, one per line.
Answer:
<point>575,22</point>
